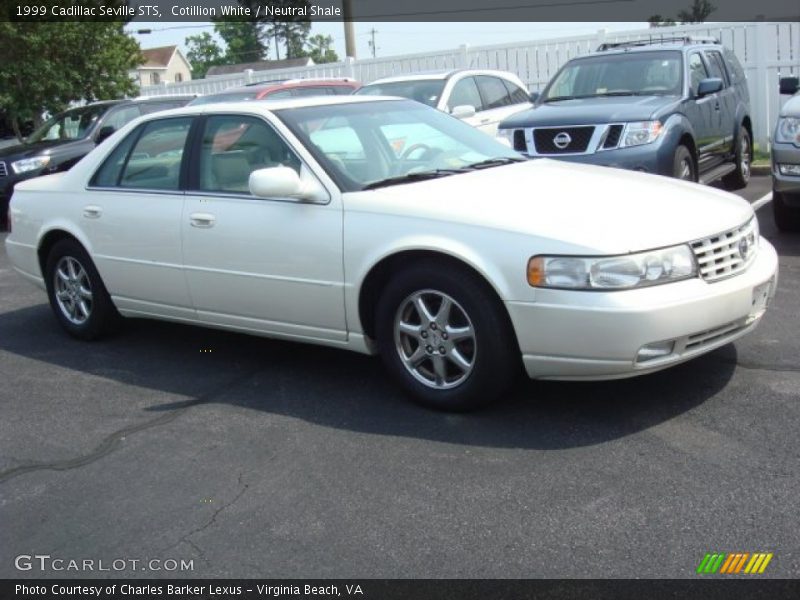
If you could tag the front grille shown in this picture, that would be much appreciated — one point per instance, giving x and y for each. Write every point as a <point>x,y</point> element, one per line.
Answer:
<point>612,137</point>
<point>579,137</point>
<point>519,140</point>
<point>708,337</point>
<point>3,169</point>
<point>728,253</point>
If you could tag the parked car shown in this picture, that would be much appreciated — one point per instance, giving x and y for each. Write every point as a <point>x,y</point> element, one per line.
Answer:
<point>480,98</point>
<point>676,107</point>
<point>67,137</point>
<point>457,265</point>
<point>785,153</point>
<point>283,88</point>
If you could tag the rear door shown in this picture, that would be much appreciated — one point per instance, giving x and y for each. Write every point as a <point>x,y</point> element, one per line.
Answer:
<point>703,115</point>
<point>726,103</point>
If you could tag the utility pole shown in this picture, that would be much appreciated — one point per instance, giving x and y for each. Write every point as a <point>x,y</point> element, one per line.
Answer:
<point>372,42</point>
<point>349,30</point>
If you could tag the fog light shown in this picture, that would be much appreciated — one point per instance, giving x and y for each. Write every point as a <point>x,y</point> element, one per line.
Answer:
<point>656,350</point>
<point>793,170</point>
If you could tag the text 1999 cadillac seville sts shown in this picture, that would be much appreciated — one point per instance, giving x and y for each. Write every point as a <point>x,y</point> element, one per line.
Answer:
<point>384,226</point>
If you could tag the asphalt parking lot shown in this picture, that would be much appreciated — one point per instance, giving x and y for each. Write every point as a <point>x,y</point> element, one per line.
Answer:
<point>259,458</point>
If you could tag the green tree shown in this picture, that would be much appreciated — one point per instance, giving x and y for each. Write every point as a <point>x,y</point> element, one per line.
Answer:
<point>291,30</point>
<point>319,49</point>
<point>698,12</point>
<point>659,21</point>
<point>203,52</point>
<point>46,66</point>
<point>246,41</point>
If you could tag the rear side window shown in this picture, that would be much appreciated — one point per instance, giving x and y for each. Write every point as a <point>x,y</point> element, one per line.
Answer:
<point>149,158</point>
<point>735,67</point>
<point>494,92</point>
<point>518,95</point>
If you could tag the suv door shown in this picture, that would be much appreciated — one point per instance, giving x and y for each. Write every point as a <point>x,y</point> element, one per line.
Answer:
<point>702,114</point>
<point>725,107</point>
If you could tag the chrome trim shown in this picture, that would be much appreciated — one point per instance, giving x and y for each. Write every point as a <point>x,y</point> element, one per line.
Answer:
<point>595,143</point>
<point>3,169</point>
<point>719,256</point>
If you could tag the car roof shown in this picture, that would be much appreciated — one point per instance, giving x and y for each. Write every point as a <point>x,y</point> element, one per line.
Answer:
<point>281,84</point>
<point>433,75</point>
<point>680,44</point>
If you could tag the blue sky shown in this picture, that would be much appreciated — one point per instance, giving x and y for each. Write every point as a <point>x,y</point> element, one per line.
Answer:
<point>399,38</point>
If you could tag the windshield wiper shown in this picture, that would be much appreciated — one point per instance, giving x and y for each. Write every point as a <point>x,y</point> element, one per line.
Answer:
<point>556,98</point>
<point>412,177</point>
<point>494,162</point>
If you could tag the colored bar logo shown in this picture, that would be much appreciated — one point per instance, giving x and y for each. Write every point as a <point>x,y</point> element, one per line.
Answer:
<point>733,563</point>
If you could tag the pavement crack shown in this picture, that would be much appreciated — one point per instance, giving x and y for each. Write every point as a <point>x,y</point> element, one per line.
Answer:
<point>112,441</point>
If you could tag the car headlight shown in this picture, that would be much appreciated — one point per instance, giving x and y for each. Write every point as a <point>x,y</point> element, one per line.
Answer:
<point>626,271</point>
<point>506,136</point>
<point>30,164</point>
<point>788,130</point>
<point>643,132</point>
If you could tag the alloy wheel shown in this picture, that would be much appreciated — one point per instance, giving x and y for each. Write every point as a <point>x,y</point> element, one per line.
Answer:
<point>73,290</point>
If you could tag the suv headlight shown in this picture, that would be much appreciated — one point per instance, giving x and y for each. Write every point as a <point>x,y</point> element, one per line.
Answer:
<point>506,136</point>
<point>643,132</point>
<point>788,130</point>
<point>30,164</point>
<point>627,271</point>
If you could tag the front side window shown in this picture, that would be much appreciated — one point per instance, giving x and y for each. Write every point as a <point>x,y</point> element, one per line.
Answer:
<point>518,95</point>
<point>465,93</point>
<point>495,94</point>
<point>72,124</point>
<point>233,146</point>
<point>715,66</point>
<point>697,71</point>
<point>121,117</point>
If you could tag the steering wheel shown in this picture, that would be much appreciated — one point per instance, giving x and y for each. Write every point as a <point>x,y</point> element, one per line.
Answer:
<point>413,148</point>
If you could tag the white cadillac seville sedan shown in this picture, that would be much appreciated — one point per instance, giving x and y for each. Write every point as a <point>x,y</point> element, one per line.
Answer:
<point>384,226</point>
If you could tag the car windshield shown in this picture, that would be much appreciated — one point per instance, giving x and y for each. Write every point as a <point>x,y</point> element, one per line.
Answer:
<point>368,144</point>
<point>72,124</point>
<point>427,91</point>
<point>232,97</point>
<point>629,74</point>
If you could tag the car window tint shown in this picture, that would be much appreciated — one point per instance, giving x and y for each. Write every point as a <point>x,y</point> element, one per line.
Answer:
<point>233,146</point>
<point>715,66</point>
<point>317,90</point>
<point>279,94</point>
<point>121,116</point>
<point>155,160</point>
<point>109,172</point>
<point>465,92</point>
<point>735,67</point>
<point>697,71</point>
<point>495,94</point>
<point>518,95</point>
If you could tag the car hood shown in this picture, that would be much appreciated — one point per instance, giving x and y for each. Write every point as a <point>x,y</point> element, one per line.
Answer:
<point>595,210</point>
<point>587,111</point>
<point>792,107</point>
<point>48,147</point>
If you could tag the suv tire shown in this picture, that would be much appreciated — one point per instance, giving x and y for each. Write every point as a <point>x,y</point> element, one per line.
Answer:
<point>740,177</point>
<point>683,166</point>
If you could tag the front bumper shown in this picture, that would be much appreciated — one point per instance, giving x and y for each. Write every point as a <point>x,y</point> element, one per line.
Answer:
<point>789,184</point>
<point>597,335</point>
<point>657,158</point>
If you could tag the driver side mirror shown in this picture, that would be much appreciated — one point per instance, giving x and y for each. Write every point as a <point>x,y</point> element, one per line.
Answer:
<point>463,111</point>
<point>283,182</point>
<point>104,133</point>
<point>708,86</point>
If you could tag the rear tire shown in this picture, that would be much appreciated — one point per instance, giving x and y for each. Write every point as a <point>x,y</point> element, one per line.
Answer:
<point>683,166</point>
<point>444,336</point>
<point>77,295</point>
<point>740,177</point>
<point>787,218</point>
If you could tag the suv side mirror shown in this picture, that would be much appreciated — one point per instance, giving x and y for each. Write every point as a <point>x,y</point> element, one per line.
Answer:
<point>709,86</point>
<point>104,133</point>
<point>789,85</point>
<point>463,111</point>
<point>534,96</point>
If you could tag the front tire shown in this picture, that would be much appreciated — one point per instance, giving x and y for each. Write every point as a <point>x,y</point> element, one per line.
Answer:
<point>77,295</point>
<point>683,166</point>
<point>444,336</point>
<point>740,177</point>
<point>787,218</point>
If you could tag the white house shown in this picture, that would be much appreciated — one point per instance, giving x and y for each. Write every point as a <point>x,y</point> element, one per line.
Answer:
<point>164,64</point>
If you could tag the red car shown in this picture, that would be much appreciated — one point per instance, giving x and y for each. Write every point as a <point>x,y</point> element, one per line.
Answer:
<point>286,88</point>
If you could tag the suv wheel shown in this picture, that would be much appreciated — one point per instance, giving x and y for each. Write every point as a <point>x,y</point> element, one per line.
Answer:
<point>787,218</point>
<point>444,338</point>
<point>683,165</point>
<point>740,177</point>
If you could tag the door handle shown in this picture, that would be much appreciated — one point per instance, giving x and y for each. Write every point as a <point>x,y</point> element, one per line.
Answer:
<point>92,211</point>
<point>203,220</point>
<point>716,105</point>
<point>484,121</point>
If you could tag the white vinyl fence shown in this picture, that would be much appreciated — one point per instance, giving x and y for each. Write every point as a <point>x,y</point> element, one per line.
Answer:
<point>766,50</point>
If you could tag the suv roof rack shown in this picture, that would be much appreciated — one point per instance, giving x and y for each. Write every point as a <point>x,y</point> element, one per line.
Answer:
<point>291,80</point>
<point>652,40</point>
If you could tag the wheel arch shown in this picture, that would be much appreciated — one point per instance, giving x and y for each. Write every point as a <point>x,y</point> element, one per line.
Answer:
<point>50,238</point>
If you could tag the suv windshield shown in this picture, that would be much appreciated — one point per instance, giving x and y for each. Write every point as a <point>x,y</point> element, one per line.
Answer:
<point>628,74</point>
<point>72,124</point>
<point>427,91</point>
<point>366,144</point>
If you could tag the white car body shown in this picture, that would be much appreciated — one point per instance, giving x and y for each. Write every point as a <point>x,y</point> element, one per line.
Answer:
<point>296,269</point>
<point>487,119</point>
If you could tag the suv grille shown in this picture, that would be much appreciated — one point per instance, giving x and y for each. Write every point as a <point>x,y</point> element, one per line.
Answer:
<point>573,139</point>
<point>612,137</point>
<point>519,140</point>
<point>728,253</point>
<point>3,169</point>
